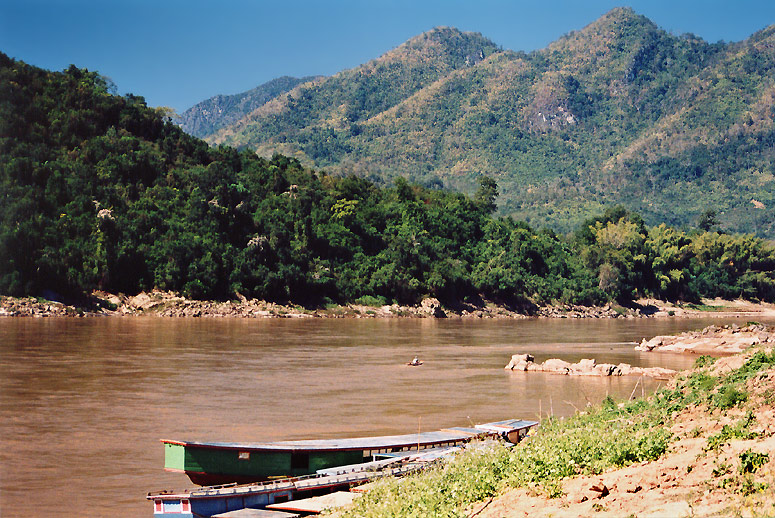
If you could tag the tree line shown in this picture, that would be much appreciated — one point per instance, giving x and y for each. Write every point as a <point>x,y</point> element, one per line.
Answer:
<point>99,191</point>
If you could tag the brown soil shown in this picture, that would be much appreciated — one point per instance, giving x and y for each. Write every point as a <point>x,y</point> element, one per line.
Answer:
<point>691,480</point>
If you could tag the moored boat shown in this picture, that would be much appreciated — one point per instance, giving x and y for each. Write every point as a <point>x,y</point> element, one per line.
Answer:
<point>214,500</point>
<point>211,463</point>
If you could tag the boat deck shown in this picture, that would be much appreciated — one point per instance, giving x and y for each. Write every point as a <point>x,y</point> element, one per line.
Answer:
<point>309,482</point>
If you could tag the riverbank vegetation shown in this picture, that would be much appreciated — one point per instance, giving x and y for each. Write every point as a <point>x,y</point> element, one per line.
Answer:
<point>699,416</point>
<point>100,191</point>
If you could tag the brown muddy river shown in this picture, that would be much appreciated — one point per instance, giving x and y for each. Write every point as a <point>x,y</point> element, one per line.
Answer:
<point>84,402</point>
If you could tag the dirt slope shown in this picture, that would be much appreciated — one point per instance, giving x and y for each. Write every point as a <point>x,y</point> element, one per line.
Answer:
<point>693,479</point>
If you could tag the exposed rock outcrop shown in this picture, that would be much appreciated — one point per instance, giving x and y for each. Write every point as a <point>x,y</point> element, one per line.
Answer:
<point>586,367</point>
<point>432,307</point>
<point>728,339</point>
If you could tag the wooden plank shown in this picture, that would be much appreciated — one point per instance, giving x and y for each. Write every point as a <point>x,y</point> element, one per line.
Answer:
<point>255,513</point>
<point>317,504</point>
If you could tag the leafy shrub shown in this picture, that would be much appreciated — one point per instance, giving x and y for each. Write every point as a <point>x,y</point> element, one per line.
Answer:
<point>741,430</point>
<point>750,461</point>
<point>704,361</point>
<point>728,396</point>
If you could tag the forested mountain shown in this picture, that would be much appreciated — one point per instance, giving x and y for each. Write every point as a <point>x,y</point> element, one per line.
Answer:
<point>209,116</point>
<point>101,191</point>
<point>618,112</point>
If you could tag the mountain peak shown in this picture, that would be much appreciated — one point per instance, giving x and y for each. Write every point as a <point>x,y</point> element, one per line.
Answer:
<point>626,14</point>
<point>444,33</point>
<point>454,47</point>
<point>618,23</point>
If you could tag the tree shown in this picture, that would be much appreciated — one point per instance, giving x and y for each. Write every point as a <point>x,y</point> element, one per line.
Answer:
<point>707,220</point>
<point>486,194</point>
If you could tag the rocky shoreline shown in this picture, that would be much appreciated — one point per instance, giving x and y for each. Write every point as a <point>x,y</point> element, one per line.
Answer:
<point>713,340</point>
<point>168,304</point>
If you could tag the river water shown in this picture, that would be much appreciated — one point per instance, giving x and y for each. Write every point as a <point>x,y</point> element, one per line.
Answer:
<point>84,402</point>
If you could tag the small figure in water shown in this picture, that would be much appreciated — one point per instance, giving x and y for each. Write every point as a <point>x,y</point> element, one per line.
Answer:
<point>415,361</point>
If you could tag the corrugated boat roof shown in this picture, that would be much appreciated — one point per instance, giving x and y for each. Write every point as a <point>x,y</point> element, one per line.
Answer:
<point>371,443</point>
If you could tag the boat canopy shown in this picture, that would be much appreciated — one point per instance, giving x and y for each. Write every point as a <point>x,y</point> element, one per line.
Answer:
<point>448,435</point>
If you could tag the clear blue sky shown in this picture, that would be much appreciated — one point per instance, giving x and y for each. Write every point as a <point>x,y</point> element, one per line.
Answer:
<point>179,52</point>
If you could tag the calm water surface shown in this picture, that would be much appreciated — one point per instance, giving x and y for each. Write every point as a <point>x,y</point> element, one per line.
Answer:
<point>84,402</point>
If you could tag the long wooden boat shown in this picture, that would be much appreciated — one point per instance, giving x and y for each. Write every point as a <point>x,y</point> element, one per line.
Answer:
<point>230,498</point>
<point>212,463</point>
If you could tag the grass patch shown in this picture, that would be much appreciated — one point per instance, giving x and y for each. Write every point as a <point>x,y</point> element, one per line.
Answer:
<point>740,430</point>
<point>706,307</point>
<point>620,310</point>
<point>704,361</point>
<point>728,396</point>
<point>612,434</point>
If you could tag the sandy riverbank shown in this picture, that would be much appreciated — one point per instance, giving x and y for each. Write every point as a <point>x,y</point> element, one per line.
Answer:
<point>167,304</point>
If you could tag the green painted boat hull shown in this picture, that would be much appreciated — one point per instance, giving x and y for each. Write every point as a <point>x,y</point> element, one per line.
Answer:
<point>210,466</point>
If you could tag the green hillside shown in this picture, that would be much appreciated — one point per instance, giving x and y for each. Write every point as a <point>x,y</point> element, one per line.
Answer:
<point>99,191</point>
<point>617,112</point>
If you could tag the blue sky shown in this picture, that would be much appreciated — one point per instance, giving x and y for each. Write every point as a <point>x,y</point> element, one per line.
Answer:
<point>179,52</point>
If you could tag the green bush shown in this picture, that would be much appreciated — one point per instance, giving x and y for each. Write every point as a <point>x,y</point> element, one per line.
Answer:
<point>369,300</point>
<point>704,361</point>
<point>751,461</point>
<point>728,396</point>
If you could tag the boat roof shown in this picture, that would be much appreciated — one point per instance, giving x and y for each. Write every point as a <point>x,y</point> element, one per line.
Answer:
<point>371,443</point>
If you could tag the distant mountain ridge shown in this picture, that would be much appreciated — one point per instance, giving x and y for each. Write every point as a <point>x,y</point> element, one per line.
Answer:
<point>209,116</point>
<point>618,112</point>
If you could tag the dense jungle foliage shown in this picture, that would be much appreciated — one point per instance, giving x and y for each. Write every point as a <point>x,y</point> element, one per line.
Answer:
<point>99,191</point>
<point>620,111</point>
